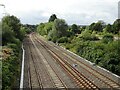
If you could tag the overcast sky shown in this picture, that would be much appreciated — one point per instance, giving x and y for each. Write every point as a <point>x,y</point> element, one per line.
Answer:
<point>73,11</point>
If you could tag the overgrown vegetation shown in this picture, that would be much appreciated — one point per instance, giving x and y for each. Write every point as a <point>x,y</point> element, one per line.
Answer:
<point>95,42</point>
<point>13,33</point>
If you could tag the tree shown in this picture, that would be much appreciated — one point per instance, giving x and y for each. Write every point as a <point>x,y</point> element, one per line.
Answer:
<point>108,28</point>
<point>48,27</point>
<point>116,26</point>
<point>59,29</point>
<point>30,27</point>
<point>52,18</point>
<point>7,34</point>
<point>75,29</point>
<point>91,27</point>
<point>97,26</point>
<point>11,30</point>
<point>40,29</point>
<point>86,35</point>
<point>11,36</point>
<point>23,31</point>
<point>14,23</point>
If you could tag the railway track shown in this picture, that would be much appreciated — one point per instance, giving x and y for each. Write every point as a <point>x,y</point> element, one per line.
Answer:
<point>79,78</point>
<point>34,78</point>
<point>58,83</point>
<point>67,81</point>
<point>100,77</point>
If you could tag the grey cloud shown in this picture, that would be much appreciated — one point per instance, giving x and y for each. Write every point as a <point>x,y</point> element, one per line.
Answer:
<point>80,15</point>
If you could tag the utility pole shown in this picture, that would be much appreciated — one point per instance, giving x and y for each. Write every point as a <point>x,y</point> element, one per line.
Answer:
<point>119,10</point>
<point>1,48</point>
<point>4,10</point>
<point>3,7</point>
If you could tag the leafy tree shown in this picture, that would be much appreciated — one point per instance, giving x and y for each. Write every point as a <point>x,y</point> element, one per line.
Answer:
<point>60,26</point>
<point>91,27</point>
<point>14,23</point>
<point>75,29</point>
<point>48,27</point>
<point>108,28</point>
<point>22,33</point>
<point>11,32</point>
<point>97,26</point>
<point>40,29</point>
<point>86,35</point>
<point>82,29</point>
<point>52,18</point>
<point>116,26</point>
<point>29,28</point>
<point>59,29</point>
<point>7,34</point>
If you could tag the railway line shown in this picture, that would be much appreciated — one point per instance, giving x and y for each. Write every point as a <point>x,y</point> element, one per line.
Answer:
<point>107,82</point>
<point>41,74</point>
<point>56,79</point>
<point>32,77</point>
<point>82,81</point>
<point>101,79</point>
<point>49,66</point>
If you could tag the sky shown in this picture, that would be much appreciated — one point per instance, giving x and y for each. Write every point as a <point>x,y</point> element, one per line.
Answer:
<point>82,12</point>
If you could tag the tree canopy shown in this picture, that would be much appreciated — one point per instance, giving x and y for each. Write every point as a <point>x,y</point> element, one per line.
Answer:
<point>75,29</point>
<point>52,18</point>
<point>59,29</point>
<point>116,26</point>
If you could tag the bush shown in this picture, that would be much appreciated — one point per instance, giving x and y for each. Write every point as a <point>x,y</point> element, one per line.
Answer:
<point>10,68</point>
<point>10,72</point>
<point>54,39</point>
<point>94,38</point>
<point>107,38</point>
<point>86,35</point>
<point>14,47</point>
<point>63,40</point>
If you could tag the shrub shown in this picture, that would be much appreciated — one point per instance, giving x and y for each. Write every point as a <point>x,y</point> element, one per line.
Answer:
<point>63,40</point>
<point>107,38</point>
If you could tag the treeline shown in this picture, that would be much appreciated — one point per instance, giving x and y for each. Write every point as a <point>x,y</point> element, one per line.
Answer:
<point>96,42</point>
<point>13,33</point>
